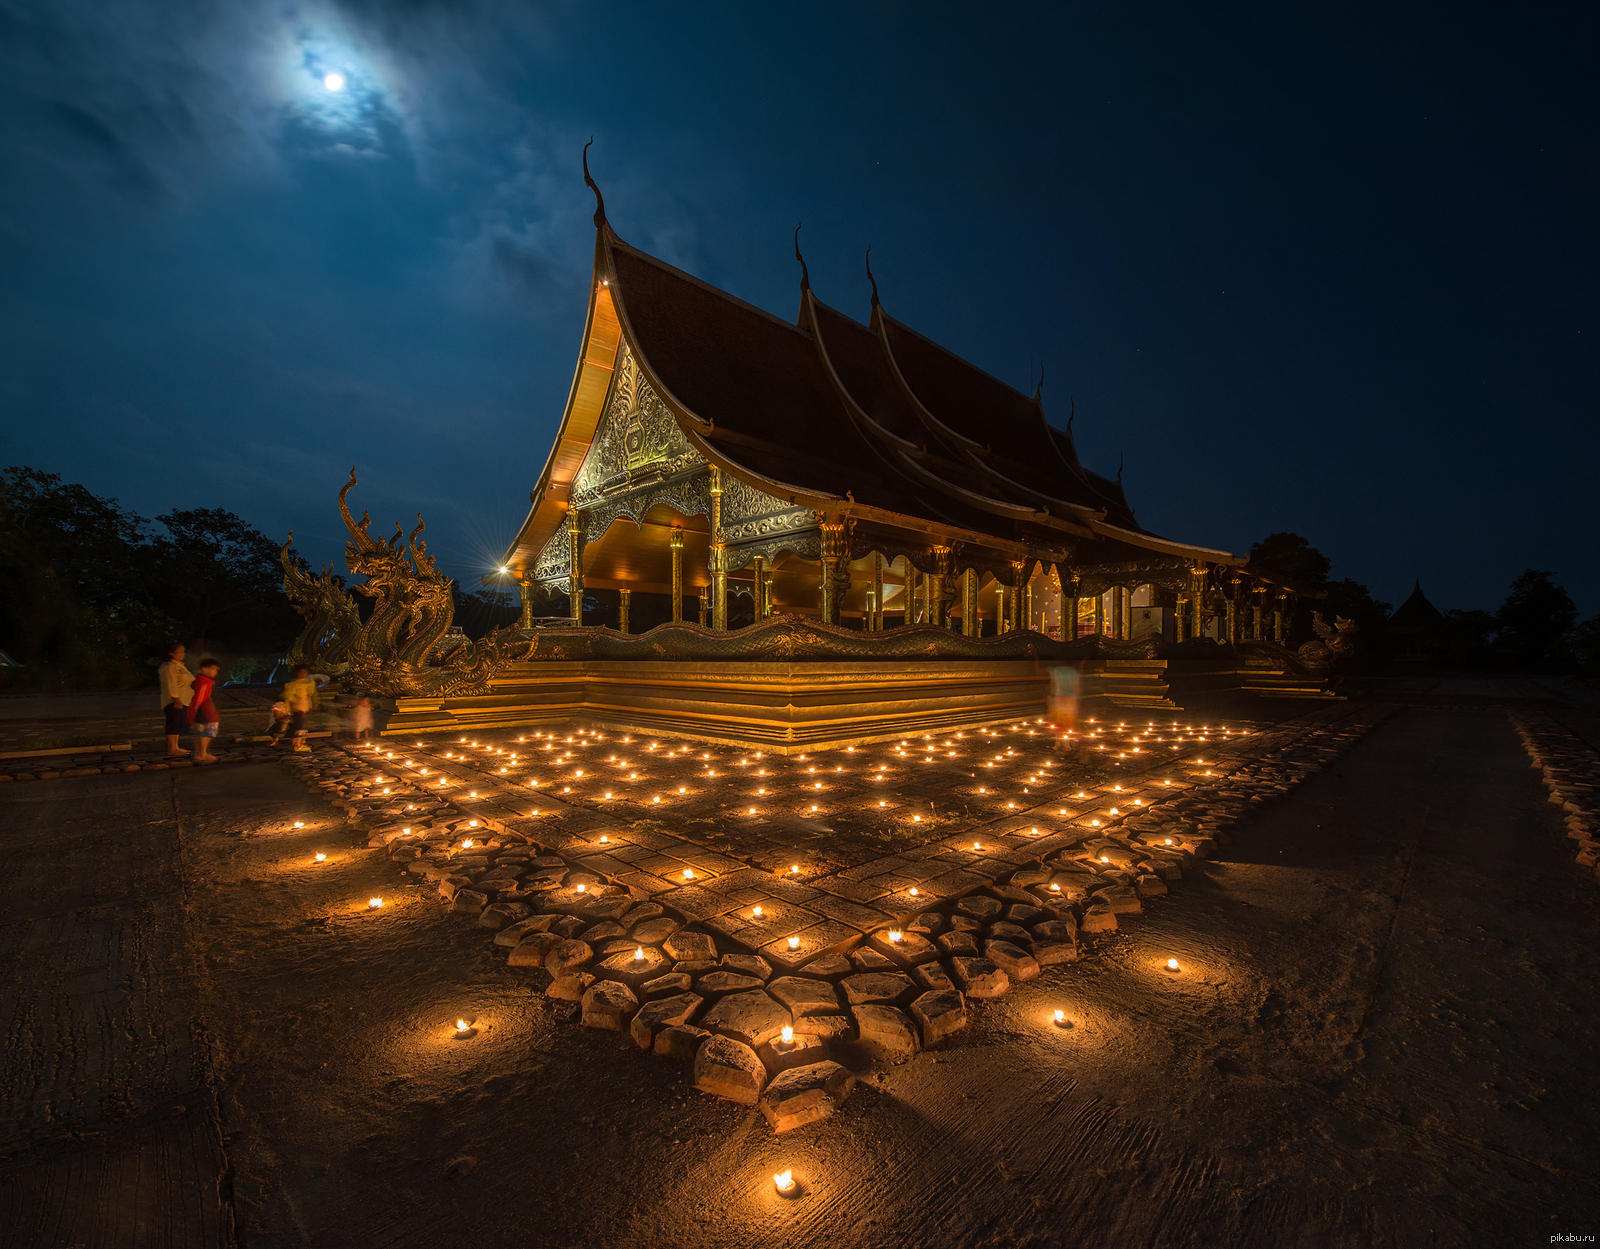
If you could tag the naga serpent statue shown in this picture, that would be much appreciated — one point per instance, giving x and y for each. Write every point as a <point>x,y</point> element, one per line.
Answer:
<point>331,616</point>
<point>396,651</point>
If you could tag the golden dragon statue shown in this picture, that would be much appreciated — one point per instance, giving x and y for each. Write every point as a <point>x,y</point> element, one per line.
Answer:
<point>396,650</point>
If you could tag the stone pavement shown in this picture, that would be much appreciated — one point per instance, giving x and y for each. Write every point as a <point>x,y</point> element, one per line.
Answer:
<point>745,912</point>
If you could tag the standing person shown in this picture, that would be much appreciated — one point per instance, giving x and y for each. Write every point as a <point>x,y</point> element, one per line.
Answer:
<point>203,712</point>
<point>177,686</point>
<point>300,696</point>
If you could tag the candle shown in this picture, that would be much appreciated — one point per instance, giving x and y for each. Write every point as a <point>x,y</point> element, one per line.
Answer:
<point>1172,964</point>
<point>788,1035</point>
<point>374,903</point>
<point>320,857</point>
<point>794,943</point>
<point>784,1182</point>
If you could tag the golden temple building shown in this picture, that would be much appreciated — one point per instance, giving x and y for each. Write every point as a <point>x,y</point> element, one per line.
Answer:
<point>740,465</point>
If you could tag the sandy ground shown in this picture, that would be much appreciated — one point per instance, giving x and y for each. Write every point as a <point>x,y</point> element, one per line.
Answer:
<point>1384,1035</point>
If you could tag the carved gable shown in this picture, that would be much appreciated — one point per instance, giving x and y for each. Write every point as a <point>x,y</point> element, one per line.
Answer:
<point>636,436</point>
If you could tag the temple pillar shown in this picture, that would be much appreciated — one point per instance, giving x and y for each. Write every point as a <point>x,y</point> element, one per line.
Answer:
<point>757,566</point>
<point>625,601</point>
<point>875,620</point>
<point>934,585</point>
<point>970,626</point>
<point>575,565</point>
<point>1027,605</point>
<point>705,608</point>
<point>719,557</point>
<point>1277,623</point>
<point>676,541</point>
<point>1255,622</point>
<point>1231,606</point>
<point>1179,610</point>
<point>1100,614</point>
<point>835,570</point>
<point>525,584</point>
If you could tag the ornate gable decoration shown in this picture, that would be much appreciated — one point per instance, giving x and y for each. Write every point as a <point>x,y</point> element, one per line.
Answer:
<point>637,436</point>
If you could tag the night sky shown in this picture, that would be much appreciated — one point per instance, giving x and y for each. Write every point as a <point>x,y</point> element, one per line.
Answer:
<point>1327,268</point>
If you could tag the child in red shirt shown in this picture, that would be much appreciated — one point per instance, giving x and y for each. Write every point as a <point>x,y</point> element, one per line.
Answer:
<point>203,712</point>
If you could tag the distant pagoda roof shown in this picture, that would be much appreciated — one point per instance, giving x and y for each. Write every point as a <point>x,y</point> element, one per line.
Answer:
<point>1417,612</point>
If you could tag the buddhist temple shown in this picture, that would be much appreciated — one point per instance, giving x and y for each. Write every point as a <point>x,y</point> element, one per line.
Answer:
<point>741,465</point>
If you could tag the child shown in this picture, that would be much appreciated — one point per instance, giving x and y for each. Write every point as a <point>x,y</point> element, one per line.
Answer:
<point>300,696</point>
<point>203,719</point>
<point>278,721</point>
<point>361,717</point>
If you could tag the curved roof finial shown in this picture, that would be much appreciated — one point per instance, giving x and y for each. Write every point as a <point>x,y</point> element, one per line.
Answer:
<point>1038,391</point>
<point>599,200</point>
<point>870,278</point>
<point>805,274</point>
<point>1072,415</point>
<point>1120,458</point>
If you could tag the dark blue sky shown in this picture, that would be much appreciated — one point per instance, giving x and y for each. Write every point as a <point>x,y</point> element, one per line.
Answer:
<point>1328,268</point>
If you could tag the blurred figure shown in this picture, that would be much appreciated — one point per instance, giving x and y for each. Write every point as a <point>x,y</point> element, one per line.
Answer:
<point>278,720</point>
<point>361,717</point>
<point>301,697</point>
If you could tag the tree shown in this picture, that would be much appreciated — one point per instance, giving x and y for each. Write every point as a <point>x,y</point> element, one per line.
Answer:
<point>481,611</point>
<point>1586,645</point>
<point>62,549</point>
<point>1466,643</point>
<point>1532,625</point>
<point>1291,557</point>
<point>216,572</point>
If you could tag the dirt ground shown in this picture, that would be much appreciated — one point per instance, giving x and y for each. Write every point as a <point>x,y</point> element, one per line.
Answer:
<point>1384,1035</point>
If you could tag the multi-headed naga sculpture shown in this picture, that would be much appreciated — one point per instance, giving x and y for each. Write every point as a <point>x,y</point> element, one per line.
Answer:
<point>397,650</point>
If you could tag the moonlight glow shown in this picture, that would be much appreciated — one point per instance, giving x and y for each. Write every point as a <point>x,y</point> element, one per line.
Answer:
<point>333,82</point>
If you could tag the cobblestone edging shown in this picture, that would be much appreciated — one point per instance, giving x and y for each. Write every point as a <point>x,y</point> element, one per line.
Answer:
<point>714,969</point>
<point>1570,768</point>
<point>92,765</point>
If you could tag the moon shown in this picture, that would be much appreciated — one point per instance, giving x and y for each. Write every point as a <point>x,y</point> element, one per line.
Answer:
<point>333,81</point>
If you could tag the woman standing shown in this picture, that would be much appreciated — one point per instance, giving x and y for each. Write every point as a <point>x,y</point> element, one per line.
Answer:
<point>177,688</point>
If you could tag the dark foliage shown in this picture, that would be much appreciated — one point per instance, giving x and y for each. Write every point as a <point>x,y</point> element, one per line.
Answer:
<point>1533,624</point>
<point>89,591</point>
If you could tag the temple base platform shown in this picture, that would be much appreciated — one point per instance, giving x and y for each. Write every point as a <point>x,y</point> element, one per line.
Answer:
<point>785,707</point>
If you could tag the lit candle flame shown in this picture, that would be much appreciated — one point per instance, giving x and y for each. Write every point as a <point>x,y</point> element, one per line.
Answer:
<point>320,857</point>
<point>794,943</point>
<point>581,888</point>
<point>788,1035</point>
<point>1172,964</point>
<point>461,1025</point>
<point>897,937</point>
<point>784,1181</point>
<point>1061,1016</point>
<point>374,903</point>
<point>755,912</point>
<point>638,955</point>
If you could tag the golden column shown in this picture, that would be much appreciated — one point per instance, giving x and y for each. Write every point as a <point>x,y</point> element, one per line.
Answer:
<point>969,602</point>
<point>575,565</point>
<point>758,565</point>
<point>835,570</point>
<point>1232,608</point>
<point>1002,609</point>
<point>1197,601</point>
<point>719,557</point>
<point>676,541</point>
<point>525,584</point>
<point>704,608</point>
<point>875,623</point>
<point>625,601</point>
<point>933,584</point>
<point>1277,620</point>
